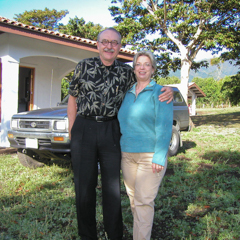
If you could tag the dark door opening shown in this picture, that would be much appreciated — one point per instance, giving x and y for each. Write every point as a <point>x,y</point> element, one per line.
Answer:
<point>25,89</point>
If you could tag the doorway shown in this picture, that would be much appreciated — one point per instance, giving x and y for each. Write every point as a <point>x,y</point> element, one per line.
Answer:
<point>25,89</point>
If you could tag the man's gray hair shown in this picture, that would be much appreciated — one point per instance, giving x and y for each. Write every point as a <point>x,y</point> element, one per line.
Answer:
<point>109,29</point>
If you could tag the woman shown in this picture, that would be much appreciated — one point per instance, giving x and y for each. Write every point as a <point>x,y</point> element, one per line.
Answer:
<point>146,127</point>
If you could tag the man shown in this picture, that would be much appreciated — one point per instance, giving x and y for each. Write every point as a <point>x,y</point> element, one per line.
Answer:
<point>98,87</point>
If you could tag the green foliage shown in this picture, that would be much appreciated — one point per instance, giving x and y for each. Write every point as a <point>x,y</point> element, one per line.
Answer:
<point>231,41</point>
<point>212,90</point>
<point>78,27</point>
<point>167,80</point>
<point>177,25</point>
<point>216,61</point>
<point>65,85</point>
<point>198,198</point>
<point>47,19</point>
<point>225,91</point>
<point>231,88</point>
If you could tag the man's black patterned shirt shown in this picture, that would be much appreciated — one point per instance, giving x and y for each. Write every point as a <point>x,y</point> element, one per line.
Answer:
<point>100,89</point>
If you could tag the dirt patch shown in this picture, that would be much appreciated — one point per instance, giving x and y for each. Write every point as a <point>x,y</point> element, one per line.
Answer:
<point>7,150</point>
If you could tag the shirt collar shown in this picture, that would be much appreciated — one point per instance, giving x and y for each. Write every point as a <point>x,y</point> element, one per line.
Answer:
<point>100,63</point>
<point>148,87</point>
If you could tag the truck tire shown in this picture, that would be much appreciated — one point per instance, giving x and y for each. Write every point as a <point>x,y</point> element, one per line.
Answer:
<point>28,158</point>
<point>174,143</point>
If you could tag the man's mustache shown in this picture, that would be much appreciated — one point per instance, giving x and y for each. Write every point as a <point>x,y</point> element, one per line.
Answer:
<point>108,50</point>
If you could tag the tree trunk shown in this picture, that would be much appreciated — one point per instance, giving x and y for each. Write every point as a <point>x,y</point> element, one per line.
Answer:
<point>185,68</point>
<point>191,124</point>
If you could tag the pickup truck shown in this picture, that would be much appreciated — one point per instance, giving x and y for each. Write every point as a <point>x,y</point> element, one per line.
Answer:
<point>41,135</point>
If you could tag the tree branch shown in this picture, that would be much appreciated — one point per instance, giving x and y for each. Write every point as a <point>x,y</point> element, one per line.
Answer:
<point>175,40</point>
<point>197,34</point>
<point>165,16</point>
<point>195,51</point>
<point>146,5</point>
<point>154,5</point>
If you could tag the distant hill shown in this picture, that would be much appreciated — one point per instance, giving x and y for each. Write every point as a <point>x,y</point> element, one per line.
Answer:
<point>226,69</point>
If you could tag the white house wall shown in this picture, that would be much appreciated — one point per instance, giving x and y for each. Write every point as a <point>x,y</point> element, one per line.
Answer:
<point>4,47</point>
<point>10,70</point>
<point>51,62</point>
<point>20,46</point>
<point>47,80</point>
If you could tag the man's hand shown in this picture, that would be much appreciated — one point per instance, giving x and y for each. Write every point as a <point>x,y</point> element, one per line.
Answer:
<point>167,94</point>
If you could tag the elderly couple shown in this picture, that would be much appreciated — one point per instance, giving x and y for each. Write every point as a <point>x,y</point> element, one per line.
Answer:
<point>122,120</point>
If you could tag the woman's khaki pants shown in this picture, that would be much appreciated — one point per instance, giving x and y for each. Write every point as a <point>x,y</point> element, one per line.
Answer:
<point>142,187</point>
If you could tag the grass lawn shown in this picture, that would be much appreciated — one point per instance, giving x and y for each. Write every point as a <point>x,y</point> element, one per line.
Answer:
<point>198,199</point>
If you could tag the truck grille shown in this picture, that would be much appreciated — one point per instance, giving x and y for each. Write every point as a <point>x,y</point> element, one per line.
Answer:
<point>28,124</point>
<point>41,142</point>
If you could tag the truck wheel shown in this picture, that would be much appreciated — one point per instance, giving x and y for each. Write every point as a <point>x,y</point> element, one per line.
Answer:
<point>28,158</point>
<point>174,143</point>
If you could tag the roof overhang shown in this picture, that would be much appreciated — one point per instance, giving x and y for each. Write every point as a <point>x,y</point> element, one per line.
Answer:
<point>13,27</point>
<point>194,88</point>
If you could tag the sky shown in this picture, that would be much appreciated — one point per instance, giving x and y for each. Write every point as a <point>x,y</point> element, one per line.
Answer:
<point>95,11</point>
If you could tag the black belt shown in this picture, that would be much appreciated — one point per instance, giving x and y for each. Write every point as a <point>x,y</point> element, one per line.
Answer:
<point>98,118</point>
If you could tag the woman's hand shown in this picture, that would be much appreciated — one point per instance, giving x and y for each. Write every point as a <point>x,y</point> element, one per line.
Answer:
<point>167,94</point>
<point>157,168</point>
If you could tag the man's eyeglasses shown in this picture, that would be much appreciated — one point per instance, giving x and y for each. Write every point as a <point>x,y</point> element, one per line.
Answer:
<point>105,42</point>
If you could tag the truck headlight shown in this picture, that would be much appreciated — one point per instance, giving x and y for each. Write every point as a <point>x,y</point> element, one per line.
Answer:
<point>60,125</point>
<point>14,123</point>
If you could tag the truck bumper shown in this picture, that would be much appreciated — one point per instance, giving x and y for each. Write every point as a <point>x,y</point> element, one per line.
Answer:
<point>54,142</point>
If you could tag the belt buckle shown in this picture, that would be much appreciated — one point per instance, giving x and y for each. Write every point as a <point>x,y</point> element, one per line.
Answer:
<point>98,119</point>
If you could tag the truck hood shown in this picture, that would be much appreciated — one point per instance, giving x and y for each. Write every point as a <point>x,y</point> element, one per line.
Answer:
<point>45,113</point>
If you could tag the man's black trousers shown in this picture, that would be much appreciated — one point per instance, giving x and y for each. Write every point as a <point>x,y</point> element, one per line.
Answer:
<point>91,142</point>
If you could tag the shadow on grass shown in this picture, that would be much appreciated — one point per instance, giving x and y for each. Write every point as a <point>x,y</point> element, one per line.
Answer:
<point>60,163</point>
<point>44,209</point>
<point>40,212</point>
<point>199,200</point>
<point>227,120</point>
<point>229,157</point>
<point>196,201</point>
<point>186,145</point>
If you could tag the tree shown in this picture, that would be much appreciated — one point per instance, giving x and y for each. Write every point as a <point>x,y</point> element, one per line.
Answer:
<point>65,85</point>
<point>47,19</point>
<point>167,80</point>
<point>218,62</point>
<point>232,45</point>
<point>211,88</point>
<point>180,28</point>
<point>78,27</point>
<point>231,88</point>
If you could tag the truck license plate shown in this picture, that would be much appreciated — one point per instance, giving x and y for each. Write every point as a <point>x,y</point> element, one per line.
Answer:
<point>31,143</point>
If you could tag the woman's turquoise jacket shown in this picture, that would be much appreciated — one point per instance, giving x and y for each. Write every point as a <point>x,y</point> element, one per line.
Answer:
<point>146,123</point>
